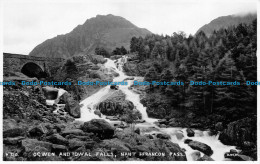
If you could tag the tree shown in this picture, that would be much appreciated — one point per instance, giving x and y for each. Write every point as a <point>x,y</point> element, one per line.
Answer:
<point>102,51</point>
<point>123,50</point>
<point>71,68</point>
<point>150,76</point>
<point>166,76</point>
<point>232,100</point>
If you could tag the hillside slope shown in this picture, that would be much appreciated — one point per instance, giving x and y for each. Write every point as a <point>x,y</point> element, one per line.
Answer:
<point>225,22</point>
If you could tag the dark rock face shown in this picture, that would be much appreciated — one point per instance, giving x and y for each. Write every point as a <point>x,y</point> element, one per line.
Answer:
<point>111,31</point>
<point>204,148</point>
<point>240,133</point>
<point>99,127</point>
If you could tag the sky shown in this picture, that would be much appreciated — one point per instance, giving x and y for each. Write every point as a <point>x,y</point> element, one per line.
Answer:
<point>27,23</point>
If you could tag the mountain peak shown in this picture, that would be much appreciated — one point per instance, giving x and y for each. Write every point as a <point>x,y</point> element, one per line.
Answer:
<point>111,20</point>
<point>106,31</point>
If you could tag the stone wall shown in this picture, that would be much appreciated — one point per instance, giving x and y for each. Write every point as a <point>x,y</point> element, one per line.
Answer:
<point>15,62</point>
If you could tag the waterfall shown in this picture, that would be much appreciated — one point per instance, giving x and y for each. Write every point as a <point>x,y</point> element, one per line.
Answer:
<point>89,106</point>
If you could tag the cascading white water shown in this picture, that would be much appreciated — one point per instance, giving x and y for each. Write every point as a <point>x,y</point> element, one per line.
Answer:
<point>87,113</point>
<point>202,136</point>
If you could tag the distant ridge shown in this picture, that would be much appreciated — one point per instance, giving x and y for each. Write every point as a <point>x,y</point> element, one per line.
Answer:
<point>225,22</point>
<point>106,31</point>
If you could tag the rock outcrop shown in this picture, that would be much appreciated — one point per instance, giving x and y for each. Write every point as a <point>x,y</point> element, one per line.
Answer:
<point>99,127</point>
<point>117,105</point>
<point>204,148</point>
<point>190,132</point>
<point>71,105</point>
<point>241,133</point>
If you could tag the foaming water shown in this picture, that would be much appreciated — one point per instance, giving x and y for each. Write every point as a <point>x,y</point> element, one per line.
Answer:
<point>89,106</point>
<point>218,148</point>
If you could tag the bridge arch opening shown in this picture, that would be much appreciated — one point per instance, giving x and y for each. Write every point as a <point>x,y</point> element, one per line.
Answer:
<point>33,70</point>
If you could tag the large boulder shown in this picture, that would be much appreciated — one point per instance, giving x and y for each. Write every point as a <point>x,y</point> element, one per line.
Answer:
<point>77,132</point>
<point>190,132</point>
<point>74,144</point>
<point>163,136</point>
<point>14,132</point>
<point>187,141</point>
<point>57,139</point>
<point>114,107</point>
<point>71,105</point>
<point>162,121</point>
<point>112,118</point>
<point>179,136</point>
<point>38,131</point>
<point>196,155</point>
<point>240,132</point>
<point>205,158</point>
<point>31,145</point>
<point>99,127</point>
<point>96,74</point>
<point>50,93</point>
<point>59,148</point>
<point>97,112</point>
<point>12,141</point>
<point>204,148</point>
<point>237,157</point>
<point>115,144</point>
<point>148,144</point>
<point>116,104</point>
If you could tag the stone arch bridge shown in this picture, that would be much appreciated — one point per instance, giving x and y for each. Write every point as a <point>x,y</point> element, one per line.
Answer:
<point>31,66</point>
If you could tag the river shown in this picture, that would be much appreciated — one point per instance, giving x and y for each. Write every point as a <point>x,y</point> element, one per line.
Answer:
<point>89,105</point>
